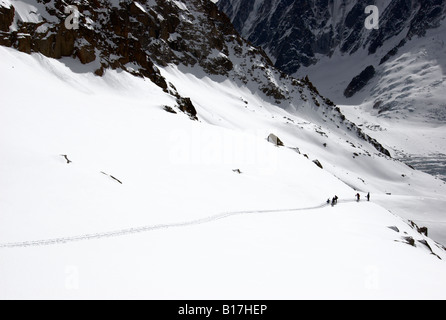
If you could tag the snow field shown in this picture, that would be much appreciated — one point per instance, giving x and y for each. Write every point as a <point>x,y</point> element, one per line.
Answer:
<point>175,171</point>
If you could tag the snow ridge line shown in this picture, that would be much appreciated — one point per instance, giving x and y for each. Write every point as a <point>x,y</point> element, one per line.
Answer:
<point>130,231</point>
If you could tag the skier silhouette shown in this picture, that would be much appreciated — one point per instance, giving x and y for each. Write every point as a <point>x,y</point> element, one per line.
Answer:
<point>368,196</point>
<point>358,197</point>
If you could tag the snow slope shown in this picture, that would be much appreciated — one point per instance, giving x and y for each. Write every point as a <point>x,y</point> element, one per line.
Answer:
<point>351,161</point>
<point>254,256</point>
<point>180,223</point>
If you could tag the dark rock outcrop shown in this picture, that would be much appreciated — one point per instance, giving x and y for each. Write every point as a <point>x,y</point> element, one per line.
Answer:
<point>169,110</point>
<point>272,138</point>
<point>421,230</point>
<point>186,105</point>
<point>359,82</point>
<point>86,54</point>
<point>394,228</point>
<point>410,241</point>
<point>318,163</point>
<point>6,17</point>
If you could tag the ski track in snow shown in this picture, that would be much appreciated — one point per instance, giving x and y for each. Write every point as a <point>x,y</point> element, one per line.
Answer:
<point>131,231</point>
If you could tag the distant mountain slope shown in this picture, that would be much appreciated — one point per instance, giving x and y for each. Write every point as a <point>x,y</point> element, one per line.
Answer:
<point>297,33</point>
<point>401,100</point>
<point>328,41</point>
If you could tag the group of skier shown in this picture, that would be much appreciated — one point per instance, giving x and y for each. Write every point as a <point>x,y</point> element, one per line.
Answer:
<point>335,199</point>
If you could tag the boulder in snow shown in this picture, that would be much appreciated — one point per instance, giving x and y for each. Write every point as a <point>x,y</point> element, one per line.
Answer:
<point>410,241</point>
<point>272,138</point>
<point>318,163</point>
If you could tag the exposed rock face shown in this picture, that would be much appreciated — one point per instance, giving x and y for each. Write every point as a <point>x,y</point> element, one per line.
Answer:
<point>360,81</point>
<point>86,54</point>
<point>185,105</point>
<point>410,241</point>
<point>421,230</point>
<point>296,32</point>
<point>134,35</point>
<point>6,17</point>
<point>102,28</point>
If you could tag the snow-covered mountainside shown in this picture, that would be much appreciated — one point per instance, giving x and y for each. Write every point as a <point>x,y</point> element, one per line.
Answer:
<point>131,36</point>
<point>391,81</point>
<point>146,171</point>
